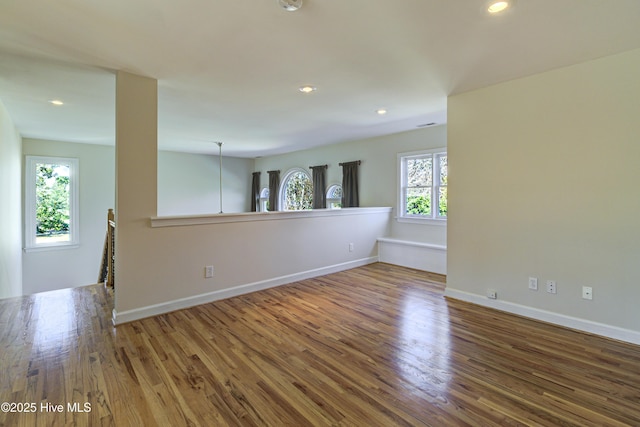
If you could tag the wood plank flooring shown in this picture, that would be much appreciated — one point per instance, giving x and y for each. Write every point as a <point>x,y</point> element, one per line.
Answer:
<point>372,346</point>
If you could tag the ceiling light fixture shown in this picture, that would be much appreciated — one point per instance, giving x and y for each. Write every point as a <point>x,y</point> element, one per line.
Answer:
<point>307,89</point>
<point>290,5</point>
<point>381,111</point>
<point>499,6</point>
<point>56,102</point>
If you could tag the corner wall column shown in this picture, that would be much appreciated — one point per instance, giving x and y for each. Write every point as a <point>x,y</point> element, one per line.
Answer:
<point>136,178</point>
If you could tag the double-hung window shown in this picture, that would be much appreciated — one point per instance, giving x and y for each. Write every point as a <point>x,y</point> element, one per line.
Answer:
<point>423,185</point>
<point>51,202</point>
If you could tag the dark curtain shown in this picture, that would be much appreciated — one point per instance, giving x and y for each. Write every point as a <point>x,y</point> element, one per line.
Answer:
<point>319,178</point>
<point>274,185</point>
<point>350,198</point>
<point>255,191</point>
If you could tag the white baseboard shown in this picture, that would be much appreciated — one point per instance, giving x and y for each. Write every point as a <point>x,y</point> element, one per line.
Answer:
<point>179,304</point>
<point>418,255</point>
<point>584,325</point>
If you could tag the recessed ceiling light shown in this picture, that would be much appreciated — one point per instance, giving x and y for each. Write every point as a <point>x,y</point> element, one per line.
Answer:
<point>56,102</point>
<point>307,89</point>
<point>381,111</point>
<point>499,6</point>
<point>290,5</point>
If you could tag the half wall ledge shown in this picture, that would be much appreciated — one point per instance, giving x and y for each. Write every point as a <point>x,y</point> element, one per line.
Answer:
<point>419,255</point>
<point>223,218</point>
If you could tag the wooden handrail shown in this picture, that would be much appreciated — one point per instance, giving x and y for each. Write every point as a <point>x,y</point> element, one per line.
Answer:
<point>107,270</point>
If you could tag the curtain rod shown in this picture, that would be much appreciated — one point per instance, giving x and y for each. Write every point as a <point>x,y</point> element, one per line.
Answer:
<point>273,171</point>
<point>347,163</point>
<point>320,166</point>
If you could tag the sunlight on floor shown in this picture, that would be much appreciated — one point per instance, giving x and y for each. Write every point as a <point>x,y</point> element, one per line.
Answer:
<point>56,320</point>
<point>424,333</point>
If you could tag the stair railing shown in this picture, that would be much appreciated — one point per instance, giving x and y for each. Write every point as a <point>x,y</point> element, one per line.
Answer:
<point>107,270</point>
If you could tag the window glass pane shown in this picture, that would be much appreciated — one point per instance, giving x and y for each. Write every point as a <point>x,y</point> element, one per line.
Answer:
<point>334,196</point>
<point>443,170</point>
<point>264,200</point>
<point>298,192</point>
<point>53,201</point>
<point>419,172</point>
<point>335,192</point>
<point>423,178</point>
<point>418,201</point>
<point>442,202</point>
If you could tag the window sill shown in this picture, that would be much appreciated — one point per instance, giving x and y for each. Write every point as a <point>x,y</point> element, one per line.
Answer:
<point>423,221</point>
<point>44,248</point>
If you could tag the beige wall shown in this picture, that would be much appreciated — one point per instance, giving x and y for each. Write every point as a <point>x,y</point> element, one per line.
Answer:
<point>378,171</point>
<point>156,266</point>
<point>544,175</point>
<point>170,262</point>
<point>10,207</point>
<point>136,190</point>
<point>184,187</point>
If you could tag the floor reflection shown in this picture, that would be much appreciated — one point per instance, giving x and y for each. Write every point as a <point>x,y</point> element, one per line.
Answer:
<point>424,334</point>
<point>56,323</point>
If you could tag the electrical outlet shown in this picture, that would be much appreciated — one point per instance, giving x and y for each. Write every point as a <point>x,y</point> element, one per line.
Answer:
<point>587,292</point>
<point>350,247</point>
<point>208,271</point>
<point>533,283</point>
<point>551,286</point>
<point>492,294</point>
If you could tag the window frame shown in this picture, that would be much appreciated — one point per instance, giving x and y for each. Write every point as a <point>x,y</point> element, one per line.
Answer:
<point>30,202</point>
<point>282,193</point>
<point>264,199</point>
<point>435,217</point>
<point>332,201</point>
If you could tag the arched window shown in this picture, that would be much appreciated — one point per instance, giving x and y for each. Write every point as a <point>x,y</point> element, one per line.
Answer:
<point>296,190</point>
<point>334,196</point>
<point>264,199</point>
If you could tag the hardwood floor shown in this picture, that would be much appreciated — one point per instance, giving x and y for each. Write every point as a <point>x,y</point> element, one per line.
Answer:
<point>372,346</point>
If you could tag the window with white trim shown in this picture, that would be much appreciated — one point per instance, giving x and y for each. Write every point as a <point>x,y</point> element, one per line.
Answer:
<point>296,191</point>
<point>51,202</point>
<point>334,196</point>
<point>423,185</point>
<point>264,200</point>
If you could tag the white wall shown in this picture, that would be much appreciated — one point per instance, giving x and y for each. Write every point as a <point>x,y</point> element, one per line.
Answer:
<point>10,207</point>
<point>66,268</point>
<point>378,171</point>
<point>543,182</point>
<point>190,183</point>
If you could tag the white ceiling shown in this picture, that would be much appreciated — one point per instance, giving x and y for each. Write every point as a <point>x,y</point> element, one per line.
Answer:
<point>230,70</point>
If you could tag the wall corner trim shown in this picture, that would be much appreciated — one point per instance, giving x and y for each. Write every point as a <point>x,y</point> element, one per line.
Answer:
<point>583,325</point>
